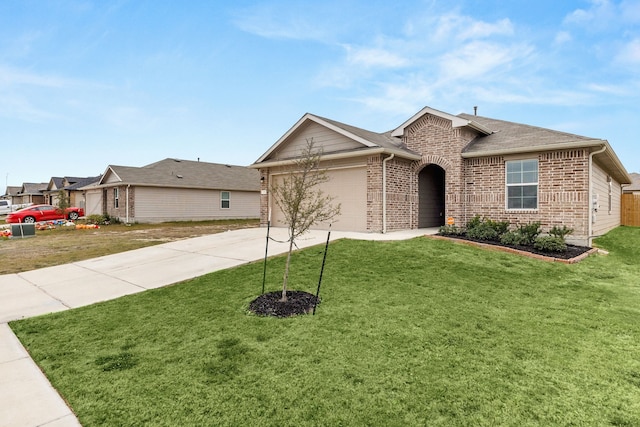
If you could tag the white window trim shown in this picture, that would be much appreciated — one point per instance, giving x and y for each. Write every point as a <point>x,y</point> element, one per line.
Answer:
<point>228,199</point>
<point>507,185</point>
<point>116,197</point>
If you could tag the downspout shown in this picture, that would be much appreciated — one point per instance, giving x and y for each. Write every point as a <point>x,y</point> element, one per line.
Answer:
<point>590,202</point>
<point>127,203</point>
<point>384,193</point>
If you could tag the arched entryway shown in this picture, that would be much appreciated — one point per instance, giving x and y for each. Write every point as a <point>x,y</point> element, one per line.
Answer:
<point>431,197</point>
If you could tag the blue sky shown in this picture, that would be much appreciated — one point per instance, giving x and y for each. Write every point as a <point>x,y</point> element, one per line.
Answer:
<point>86,84</point>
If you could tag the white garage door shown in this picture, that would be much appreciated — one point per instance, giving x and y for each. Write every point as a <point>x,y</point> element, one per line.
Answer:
<point>349,188</point>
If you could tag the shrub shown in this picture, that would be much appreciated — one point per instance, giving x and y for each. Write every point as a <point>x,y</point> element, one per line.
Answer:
<point>512,238</point>
<point>550,244</point>
<point>474,222</point>
<point>102,219</point>
<point>451,230</point>
<point>486,229</point>
<point>483,231</point>
<point>560,232</point>
<point>530,232</point>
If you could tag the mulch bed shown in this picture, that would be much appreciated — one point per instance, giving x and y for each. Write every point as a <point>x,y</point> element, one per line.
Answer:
<point>269,304</point>
<point>571,255</point>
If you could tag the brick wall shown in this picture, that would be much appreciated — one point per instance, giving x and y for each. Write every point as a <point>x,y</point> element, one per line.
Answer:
<point>121,211</point>
<point>442,145</point>
<point>563,190</point>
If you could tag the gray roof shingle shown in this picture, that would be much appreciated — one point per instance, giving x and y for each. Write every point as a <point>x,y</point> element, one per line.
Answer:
<point>190,174</point>
<point>511,136</point>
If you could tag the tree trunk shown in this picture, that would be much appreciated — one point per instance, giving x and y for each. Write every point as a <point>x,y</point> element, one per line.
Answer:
<point>286,272</point>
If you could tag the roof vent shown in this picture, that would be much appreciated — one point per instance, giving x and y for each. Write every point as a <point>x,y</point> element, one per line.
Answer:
<point>228,166</point>
<point>178,176</point>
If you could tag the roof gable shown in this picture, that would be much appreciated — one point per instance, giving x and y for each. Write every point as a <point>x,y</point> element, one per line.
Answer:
<point>456,122</point>
<point>335,139</point>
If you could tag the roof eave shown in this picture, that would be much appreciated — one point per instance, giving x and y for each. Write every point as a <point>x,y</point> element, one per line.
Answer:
<point>535,148</point>
<point>338,156</point>
<point>618,171</point>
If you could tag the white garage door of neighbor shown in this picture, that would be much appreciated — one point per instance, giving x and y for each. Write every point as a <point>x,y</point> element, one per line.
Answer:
<point>349,188</point>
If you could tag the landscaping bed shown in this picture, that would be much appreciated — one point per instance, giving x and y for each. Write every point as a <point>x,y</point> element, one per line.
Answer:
<point>570,255</point>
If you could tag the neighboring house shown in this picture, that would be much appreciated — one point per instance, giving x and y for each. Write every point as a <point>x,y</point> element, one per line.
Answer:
<point>31,193</point>
<point>174,189</point>
<point>51,193</point>
<point>634,187</point>
<point>71,188</point>
<point>439,168</point>
<point>11,193</point>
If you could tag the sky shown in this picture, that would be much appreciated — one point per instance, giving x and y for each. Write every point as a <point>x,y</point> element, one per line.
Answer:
<point>88,84</point>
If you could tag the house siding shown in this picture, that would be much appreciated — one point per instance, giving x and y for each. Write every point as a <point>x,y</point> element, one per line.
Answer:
<point>329,140</point>
<point>171,204</point>
<point>608,195</point>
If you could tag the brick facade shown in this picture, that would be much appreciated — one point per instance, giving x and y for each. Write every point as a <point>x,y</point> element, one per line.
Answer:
<point>120,212</point>
<point>476,186</point>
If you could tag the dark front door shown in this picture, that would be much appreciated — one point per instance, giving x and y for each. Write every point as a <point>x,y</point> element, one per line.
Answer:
<point>431,197</point>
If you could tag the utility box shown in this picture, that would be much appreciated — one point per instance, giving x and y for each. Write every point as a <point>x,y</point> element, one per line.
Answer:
<point>21,230</point>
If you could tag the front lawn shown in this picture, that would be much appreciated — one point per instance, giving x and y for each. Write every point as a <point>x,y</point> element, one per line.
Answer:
<point>420,332</point>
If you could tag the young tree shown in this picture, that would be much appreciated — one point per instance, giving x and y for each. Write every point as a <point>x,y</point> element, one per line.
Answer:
<point>302,203</point>
<point>63,201</point>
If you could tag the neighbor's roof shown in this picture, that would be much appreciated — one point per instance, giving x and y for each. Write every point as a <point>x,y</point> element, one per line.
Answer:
<point>33,188</point>
<point>513,138</point>
<point>178,173</point>
<point>635,182</point>
<point>83,182</point>
<point>13,190</point>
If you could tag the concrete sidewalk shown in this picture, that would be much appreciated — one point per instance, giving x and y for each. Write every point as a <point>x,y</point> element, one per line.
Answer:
<point>27,399</point>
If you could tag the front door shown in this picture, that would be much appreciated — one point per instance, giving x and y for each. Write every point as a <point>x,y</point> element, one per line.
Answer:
<point>431,189</point>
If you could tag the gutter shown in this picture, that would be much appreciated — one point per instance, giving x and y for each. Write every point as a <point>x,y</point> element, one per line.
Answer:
<point>384,193</point>
<point>592,209</point>
<point>337,156</point>
<point>533,149</point>
<point>127,203</point>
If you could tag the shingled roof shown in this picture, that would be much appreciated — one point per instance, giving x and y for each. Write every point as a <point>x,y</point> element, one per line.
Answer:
<point>635,182</point>
<point>511,136</point>
<point>178,173</point>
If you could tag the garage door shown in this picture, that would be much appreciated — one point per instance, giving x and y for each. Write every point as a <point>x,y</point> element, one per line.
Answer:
<point>349,187</point>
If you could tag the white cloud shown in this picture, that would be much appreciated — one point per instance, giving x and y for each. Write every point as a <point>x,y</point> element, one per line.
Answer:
<point>600,15</point>
<point>479,59</point>
<point>267,22</point>
<point>562,37</point>
<point>374,57</point>
<point>12,77</point>
<point>629,54</point>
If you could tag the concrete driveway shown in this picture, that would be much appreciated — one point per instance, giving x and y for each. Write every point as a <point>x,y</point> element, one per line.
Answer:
<point>27,399</point>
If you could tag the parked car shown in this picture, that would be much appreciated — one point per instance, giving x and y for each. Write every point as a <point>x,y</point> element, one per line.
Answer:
<point>38,213</point>
<point>5,207</point>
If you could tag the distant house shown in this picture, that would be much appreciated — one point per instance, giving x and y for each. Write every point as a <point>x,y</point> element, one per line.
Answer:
<point>634,187</point>
<point>11,193</point>
<point>438,168</point>
<point>30,193</point>
<point>71,188</point>
<point>175,190</point>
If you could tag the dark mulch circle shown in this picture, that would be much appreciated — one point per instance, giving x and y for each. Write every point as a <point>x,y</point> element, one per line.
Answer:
<point>571,252</point>
<point>269,304</point>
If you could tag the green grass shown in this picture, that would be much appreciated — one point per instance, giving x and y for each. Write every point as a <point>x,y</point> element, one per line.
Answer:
<point>420,332</point>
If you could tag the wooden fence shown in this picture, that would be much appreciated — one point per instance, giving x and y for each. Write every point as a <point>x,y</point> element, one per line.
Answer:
<point>630,210</point>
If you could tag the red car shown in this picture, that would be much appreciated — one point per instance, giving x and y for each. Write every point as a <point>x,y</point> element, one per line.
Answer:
<point>37,213</point>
